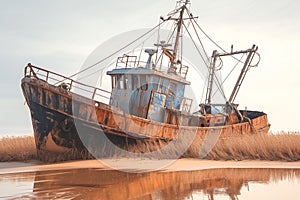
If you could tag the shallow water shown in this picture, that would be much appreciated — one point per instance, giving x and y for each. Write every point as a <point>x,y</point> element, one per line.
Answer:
<point>103,184</point>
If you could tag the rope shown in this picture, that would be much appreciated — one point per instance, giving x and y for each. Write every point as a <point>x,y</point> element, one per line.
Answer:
<point>202,95</point>
<point>196,46</point>
<point>233,69</point>
<point>211,38</point>
<point>142,43</point>
<point>191,16</point>
<point>91,66</point>
<point>229,74</point>
<point>215,77</point>
<point>171,14</point>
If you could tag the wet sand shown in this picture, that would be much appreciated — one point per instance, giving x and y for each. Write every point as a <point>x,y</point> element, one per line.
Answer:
<point>142,165</point>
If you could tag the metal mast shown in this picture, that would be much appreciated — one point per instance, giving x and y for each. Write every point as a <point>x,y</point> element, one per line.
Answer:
<point>211,78</point>
<point>178,31</point>
<point>178,34</point>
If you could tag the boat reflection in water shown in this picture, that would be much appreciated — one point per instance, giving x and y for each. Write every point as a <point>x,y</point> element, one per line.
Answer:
<point>103,184</point>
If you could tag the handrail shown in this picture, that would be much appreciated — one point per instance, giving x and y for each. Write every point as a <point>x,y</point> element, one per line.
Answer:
<point>186,104</point>
<point>33,71</point>
<point>183,70</point>
<point>126,59</point>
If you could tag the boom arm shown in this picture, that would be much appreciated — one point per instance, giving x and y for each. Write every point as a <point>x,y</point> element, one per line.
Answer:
<point>243,73</point>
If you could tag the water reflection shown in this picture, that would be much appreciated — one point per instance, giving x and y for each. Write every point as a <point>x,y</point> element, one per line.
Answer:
<point>101,184</point>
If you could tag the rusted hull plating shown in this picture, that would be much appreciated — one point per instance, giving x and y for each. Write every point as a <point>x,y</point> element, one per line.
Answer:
<point>58,115</point>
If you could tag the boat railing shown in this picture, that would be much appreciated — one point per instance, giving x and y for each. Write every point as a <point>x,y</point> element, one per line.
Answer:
<point>186,104</point>
<point>66,83</point>
<point>168,101</point>
<point>126,61</point>
<point>183,70</point>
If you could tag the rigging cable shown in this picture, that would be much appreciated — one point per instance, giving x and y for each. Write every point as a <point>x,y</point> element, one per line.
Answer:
<point>192,17</point>
<point>91,66</point>
<point>230,73</point>
<point>212,39</point>
<point>158,38</point>
<point>101,69</point>
<point>206,64</point>
<point>209,37</point>
<point>216,79</point>
<point>159,26</point>
<point>202,95</point>
<point>170,36</point>
<point>259,58</point>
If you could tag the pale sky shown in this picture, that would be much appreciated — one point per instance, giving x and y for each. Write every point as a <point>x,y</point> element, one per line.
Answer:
<point>59,36</point>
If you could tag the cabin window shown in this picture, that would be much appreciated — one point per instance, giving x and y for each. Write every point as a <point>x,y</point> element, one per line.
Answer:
<point>177,102</point>
<point>165,85</point>
<point>144,84</point>
<point>113,82</point>
<point>172,88</point>
<point>170,101</point>
<point>126,82</point>
<point>120,82</point>
<point>180,90</point>
<point>158,101</point>
<point>134,81</point>
<point>155,80</point>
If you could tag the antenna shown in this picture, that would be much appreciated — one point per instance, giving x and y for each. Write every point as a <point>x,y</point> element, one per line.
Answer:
<point>185,2</point>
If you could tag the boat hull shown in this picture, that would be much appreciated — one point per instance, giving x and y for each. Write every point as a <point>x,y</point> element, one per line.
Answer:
<point>64,121</point>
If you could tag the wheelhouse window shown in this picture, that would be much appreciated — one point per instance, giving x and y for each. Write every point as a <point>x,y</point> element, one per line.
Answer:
<point>113,82</point>
<point>144,84</point>
<point>126,82</point>
<point>134,82</point>
<point>120,81</point>
<point>155,82</point>
<point>173,88</point>
<point>165,85</point>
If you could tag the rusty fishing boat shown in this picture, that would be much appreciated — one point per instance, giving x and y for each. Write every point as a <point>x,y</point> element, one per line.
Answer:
<point>148,100</point>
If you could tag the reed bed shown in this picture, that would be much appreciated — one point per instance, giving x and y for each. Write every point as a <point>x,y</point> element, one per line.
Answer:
<point>17,149</point>
<point>270,147</point>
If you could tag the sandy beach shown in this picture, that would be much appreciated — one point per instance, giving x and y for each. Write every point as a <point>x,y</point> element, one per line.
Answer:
<point>138,165</point>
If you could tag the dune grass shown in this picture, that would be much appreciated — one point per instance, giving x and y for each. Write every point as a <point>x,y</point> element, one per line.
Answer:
<point>270,147</point>
<point>17,149</point>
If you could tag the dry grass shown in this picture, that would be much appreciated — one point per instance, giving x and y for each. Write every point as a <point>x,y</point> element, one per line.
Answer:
<point>17,149</point>
<point>51,157</point>
<point>271,147</point>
